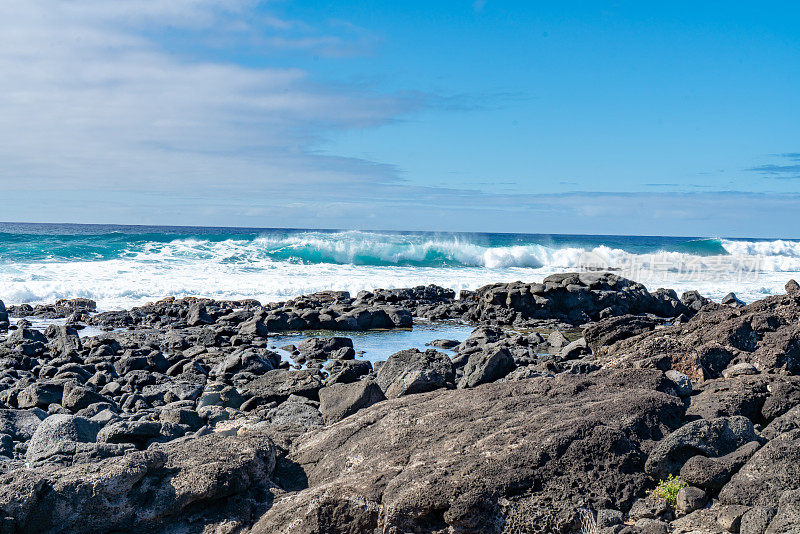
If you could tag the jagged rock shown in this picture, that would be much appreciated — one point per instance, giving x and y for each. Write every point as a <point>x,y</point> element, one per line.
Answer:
<point>785,423</point>
<point>715,437</point>
<point>40,395</point>
<point>411,371</point>
<point>346,371</point>
<point>787,516</point>
<point>723,398</point>
<point>315,348</point>
<point>57,436</point>
<point>683,384</point>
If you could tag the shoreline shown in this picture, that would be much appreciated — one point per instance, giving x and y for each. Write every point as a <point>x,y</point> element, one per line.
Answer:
<point>573,396</point>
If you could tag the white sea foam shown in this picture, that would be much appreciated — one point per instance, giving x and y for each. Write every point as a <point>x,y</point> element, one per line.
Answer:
<point>277,268</point>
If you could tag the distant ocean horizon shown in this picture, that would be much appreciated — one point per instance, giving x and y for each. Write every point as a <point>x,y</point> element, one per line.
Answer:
<point>121,266</point>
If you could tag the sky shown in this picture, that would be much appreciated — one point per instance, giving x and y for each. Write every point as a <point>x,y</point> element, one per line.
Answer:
<point>669,118</point>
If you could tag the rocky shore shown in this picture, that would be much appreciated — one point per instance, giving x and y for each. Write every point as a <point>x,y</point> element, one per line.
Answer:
<point>583,403</point>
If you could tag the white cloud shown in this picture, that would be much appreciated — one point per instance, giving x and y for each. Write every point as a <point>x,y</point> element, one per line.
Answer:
<point>90,100</point>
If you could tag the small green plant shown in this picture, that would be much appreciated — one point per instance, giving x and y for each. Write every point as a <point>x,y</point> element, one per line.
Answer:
<point>668,489</point>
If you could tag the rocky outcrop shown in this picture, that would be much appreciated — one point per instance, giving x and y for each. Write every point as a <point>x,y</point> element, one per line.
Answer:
<point>764,334</point>
<point>573,298</point>
<point>180,487</point>
<point>479,460</point>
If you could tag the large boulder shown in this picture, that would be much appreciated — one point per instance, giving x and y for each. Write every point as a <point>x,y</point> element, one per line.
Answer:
<point>176,488</point>
<point>715,437</point>
<point>486,366</point>
<point>277,385</point>
<point>58,438</point>
<point>473,460</point>
<point>411,371</point>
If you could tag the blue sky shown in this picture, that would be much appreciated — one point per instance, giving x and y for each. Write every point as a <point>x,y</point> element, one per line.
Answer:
<point>673,118</point>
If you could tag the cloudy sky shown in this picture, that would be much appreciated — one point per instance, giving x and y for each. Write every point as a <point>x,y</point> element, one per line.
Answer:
<point>570,117</point>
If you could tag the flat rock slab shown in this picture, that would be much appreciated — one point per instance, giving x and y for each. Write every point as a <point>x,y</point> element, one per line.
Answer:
<point>446,459</point>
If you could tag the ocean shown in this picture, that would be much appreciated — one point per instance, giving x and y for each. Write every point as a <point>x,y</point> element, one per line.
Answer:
<point>124,266</point>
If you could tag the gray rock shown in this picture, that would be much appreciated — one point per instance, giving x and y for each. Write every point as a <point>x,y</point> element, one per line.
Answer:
<point>792,287</point>
<point>40,395</point>
<point>756,520</point>
<point>77,397</point>
<point>278,384</point>
<point>134,432</point>
<point>690,499</point>
<point>730,517</point>
<point>740,369</point>
<point>411,371</point>
<point>177,487</point>
<point>609,518</point>
<point>772,470</point>
<point>486,366</point>
<point>296,413</point>
<point>443,461</point>
<point>713,473</point>
<point>787,516</point>
<point>651,526</point>
<point>57,436</point>
<point>683,384</point>
<point>21,424</point>
<point>341,400</point>
<point>715,437</point>
<point>785,423</point>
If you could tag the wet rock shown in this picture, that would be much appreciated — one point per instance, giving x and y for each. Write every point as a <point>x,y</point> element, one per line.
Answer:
<point>411,371</point>
<point>444,343</point>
